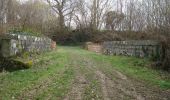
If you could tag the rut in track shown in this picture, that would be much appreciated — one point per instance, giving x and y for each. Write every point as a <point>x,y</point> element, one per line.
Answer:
<point>78,85</point>
<point>116,86</point>
<point>115,90</point>
<point>120,88</point>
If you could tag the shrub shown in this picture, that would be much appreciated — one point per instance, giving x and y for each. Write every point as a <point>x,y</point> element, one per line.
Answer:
<point>18,64</point>
<point>25,55</point>
<point>14,64</point>
<point>165,57</point>
<point>28,64</point>
<point>26,31</point>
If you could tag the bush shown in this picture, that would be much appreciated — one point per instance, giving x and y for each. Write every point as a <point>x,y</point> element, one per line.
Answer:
<point>163,61</point>
<point>26,31</point>
<point>14,64</point>
<point>28,64</point>
<point>18,64</point>
<point>166,61</point>
<point>85,35</point>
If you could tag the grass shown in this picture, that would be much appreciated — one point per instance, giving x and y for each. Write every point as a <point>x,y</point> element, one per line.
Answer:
<point>133,67</point>
<point>56,66</point>
<point>93,91</point>
<point>138,69</point>
<point>14,83</point>
<point>59,88</point>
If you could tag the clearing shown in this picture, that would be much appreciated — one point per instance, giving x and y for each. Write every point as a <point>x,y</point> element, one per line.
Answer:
<point>71,73</point>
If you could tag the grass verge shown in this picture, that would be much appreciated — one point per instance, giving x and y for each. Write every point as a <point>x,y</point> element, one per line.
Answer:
<point>13,84</point>
<point>137,68</point>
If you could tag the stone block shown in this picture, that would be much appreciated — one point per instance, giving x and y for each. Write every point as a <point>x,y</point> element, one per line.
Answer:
<point>139,48</point>
<point>12,44</point>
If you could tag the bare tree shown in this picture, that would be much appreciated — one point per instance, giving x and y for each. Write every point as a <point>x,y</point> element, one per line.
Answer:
<point>63,8</point>
<point>113,19</point>
<point>98,9</point>
<point>81,16</point>
<point>33,15</point>
<point>3,9</point>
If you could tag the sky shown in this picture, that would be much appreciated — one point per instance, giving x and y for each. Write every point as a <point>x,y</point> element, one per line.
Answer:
<point>22,0</point>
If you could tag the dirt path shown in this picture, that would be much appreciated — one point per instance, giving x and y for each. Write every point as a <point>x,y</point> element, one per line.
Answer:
<point>115,86</point>
<point>118,88</point>
<point>77,89</point>
<point>76,74</point>
<point>113,89</point>
<point>102,79</point>
<point>79,83</point>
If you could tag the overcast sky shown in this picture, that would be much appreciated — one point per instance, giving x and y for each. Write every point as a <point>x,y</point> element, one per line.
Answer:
<point>113,3</point>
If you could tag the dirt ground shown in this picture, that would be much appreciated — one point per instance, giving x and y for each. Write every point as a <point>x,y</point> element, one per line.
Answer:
<point>111,86</point>
<point>71,73</point>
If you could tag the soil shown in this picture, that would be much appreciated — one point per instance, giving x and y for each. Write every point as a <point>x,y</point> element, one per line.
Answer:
<point>115,86</point>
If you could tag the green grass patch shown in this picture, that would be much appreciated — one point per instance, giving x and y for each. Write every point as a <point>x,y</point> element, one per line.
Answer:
<point>59,88</point>
<point>12,84</point>
<point>137,68</point>
<point>92,91</point>
<point>47,65</point>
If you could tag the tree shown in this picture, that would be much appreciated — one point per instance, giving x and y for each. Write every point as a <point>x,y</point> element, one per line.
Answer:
<point>3,9</point>
<point>35,15</point>
<point>97,10</point>
<point>81,16</point>
<point>63,8</point>
<point>8,13</point>
<point>113,19</point>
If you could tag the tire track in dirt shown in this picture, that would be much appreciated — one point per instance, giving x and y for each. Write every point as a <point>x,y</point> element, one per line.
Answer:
<point>120,88</point>
<point>114,85</point>
<point>77,89</point>
<point>112,90</point>
<point>79,83</point>
<point>128,86</point>
<point>102,79</point>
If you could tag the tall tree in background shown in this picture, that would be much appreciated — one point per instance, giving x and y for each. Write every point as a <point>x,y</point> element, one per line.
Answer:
<point>8,13</point>
<point>113,19</point>
<point>33,15</point>
<point>12,11</point>
<point>81,15</point>
<point>63,8</point>
<point>97,10</point>
<point>149,16</point>
<point>2,13</point>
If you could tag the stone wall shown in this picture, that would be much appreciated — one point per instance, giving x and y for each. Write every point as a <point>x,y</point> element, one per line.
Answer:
<point>94,47</point>
<point>133,48</point>
<point>12,44</point>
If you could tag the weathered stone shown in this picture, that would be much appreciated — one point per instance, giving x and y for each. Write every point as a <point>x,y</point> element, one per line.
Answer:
<point>53,45</point>
<point>133,48</point>
<point>95,47</point>
<point>12,44</point>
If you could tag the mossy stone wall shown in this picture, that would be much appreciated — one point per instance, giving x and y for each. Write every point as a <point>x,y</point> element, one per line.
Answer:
<point>12,44</point>
<point>136,48</point>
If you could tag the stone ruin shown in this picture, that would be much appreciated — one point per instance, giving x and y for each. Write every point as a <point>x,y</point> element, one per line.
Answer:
<point>13,44</point>
<point>136,48</point>
<point>94,47</point>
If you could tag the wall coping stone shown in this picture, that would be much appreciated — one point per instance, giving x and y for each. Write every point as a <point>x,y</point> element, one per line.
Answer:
<point>133,42</point>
